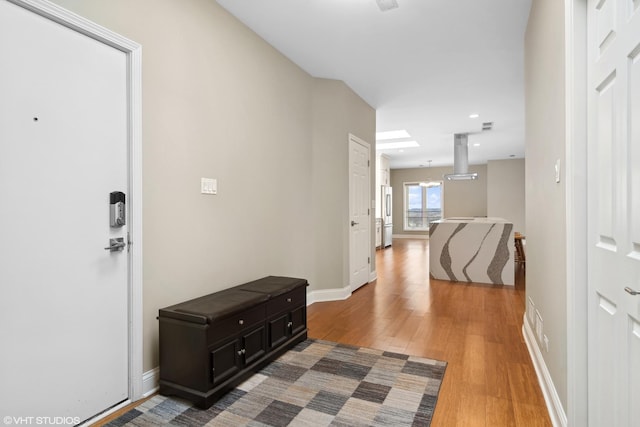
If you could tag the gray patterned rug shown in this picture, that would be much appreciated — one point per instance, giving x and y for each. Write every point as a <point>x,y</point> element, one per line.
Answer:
<point>317,383</point>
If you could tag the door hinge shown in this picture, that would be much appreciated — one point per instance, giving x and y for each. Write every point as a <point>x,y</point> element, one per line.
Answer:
<point>128,242</point>
<point>368,260</point>
<point>368,163</point>
<point>368,211</point>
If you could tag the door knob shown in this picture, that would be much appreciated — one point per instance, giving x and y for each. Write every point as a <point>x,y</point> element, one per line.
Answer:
<point>354,223</point>
<point>631,291</point>
<point>116,244</point>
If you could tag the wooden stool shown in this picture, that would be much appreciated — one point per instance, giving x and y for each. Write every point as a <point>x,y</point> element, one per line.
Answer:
<point>520,256</point>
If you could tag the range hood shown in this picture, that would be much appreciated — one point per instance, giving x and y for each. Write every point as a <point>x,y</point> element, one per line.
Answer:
<point>460,159</point>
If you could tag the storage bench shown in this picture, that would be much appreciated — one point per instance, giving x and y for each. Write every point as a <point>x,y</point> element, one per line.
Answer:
<point>211,344</point>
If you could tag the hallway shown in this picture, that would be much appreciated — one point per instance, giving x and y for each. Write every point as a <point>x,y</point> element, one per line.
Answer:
<point>490,380</point>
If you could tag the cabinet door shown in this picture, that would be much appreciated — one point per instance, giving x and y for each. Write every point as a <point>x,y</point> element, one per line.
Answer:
<point>225,361</point>
<point>278,330</point>
<point>298,320</point>
<point>254,345</point>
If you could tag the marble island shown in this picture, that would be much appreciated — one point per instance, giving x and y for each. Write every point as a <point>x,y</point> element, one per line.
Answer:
<point>468,249</point>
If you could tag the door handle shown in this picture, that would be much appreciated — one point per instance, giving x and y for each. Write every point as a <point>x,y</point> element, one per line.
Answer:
<point>354,223</point>
<point>631,291</point>
<point>116,244</point>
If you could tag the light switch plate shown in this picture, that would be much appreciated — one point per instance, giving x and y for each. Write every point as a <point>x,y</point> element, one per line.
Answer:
<point>208,186</point>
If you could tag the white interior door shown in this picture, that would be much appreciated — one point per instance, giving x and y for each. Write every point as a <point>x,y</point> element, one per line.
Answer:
<point>614,211</point>
<point>359,213</point>
<point>63,149</point>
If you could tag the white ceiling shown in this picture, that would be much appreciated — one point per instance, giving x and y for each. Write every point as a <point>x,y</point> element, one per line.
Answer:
<point>425,66</point>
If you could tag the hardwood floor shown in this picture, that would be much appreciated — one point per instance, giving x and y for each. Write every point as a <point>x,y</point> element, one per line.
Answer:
<point>490,380</point>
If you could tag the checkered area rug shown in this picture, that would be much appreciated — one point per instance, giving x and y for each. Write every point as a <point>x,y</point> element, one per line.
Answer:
<point>317,383</point>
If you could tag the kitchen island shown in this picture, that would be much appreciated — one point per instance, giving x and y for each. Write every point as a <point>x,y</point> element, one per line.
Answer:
<point>468,249</point>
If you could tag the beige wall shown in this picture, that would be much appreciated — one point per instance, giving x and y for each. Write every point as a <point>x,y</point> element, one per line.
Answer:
<point>505,191</point>
<point>220,102</point>
<point>545,199</point>
<point>332,123</point>
<point>461,198</point>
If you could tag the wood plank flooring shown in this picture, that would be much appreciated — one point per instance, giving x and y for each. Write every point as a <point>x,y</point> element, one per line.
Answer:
<point>490,380</point>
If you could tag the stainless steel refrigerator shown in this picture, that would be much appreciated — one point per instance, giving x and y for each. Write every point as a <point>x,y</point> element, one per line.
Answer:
<point>387,217</point>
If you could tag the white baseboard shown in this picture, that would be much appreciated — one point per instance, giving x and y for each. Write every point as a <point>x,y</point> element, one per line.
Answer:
<point>150,381</point>
<point>323,295</point>
<point>411,236</point>
<point>551,398</point>
<point>339,294</point>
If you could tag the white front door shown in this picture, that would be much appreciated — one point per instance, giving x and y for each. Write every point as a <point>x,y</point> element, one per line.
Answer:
<point>359,212</point>
<point>64,135</point>
<point>613,212</point>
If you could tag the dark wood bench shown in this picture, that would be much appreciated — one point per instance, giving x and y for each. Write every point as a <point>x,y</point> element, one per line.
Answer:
<point>211,344</point>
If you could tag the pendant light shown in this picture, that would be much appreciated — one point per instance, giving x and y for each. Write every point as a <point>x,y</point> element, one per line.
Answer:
<point>429,182</point>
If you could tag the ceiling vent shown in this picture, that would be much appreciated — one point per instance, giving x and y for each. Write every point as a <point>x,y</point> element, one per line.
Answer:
<point>487,125</point>
<point>385,5</point>
<point>461,159</point>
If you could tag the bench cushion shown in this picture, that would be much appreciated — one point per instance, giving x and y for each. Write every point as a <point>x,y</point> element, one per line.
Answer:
<point>214,307</point>
<point>273,285</point>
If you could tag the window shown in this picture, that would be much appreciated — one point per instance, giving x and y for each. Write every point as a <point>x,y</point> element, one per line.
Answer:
<point>422,205</point>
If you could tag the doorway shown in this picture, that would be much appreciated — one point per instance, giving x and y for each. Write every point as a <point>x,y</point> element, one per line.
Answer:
<point>70,321</point>
<point>359,212</point>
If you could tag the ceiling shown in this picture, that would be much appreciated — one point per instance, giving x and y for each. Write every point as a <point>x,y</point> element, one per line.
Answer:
<point>424,66</point>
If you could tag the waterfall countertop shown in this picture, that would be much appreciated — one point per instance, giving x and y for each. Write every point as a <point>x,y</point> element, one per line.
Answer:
<point>472,249</point>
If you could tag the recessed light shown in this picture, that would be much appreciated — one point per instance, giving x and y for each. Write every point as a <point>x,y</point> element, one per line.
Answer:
<point>392,134</point>
<point>474,116</point>
<point>401,151</point>
<point>476,145</point>
<point>400,144</point>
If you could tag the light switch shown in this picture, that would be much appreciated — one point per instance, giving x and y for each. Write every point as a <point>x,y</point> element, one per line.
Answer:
<point>208,186</point>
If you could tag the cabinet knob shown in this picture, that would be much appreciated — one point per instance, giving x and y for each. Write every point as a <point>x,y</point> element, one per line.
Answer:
<point>241,352</point>
<point>290,324</point>
<point>241,322</point>
<point>288,299</point>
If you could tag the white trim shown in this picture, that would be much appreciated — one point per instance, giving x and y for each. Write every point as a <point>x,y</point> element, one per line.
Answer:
<point>135,227</point>
<point>150,382</point>
<point>77,23</point>
<point>551,398</point>
<point>133,51</point>
<point>411,236</point>
<point>323,295</point>
<point>336,294</point>
<point>576,211</point>
<point>373,276</point>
